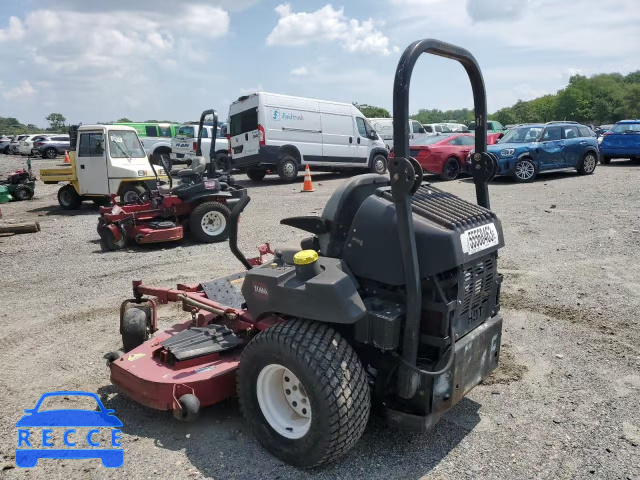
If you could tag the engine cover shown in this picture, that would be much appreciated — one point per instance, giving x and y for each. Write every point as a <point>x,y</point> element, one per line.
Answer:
<point>449,232</point>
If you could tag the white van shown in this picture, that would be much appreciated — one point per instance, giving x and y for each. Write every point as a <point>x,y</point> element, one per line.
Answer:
<point>269,131</point>
<point>384,127</point>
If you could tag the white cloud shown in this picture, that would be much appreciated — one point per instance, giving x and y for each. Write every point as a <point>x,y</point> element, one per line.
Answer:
<point>490,10</point>
<point>300,71</point>
<point>325,25</point>
<point>20,92</point>
<point>15,31</point>
<point>75,40</point>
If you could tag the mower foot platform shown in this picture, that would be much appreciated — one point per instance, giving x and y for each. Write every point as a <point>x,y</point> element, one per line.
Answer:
<point>226,290</point>
<point>199,341</point>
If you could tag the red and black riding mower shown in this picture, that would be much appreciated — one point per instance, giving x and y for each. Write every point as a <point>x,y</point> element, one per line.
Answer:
<point>392,303</point>
<point>201,203</point>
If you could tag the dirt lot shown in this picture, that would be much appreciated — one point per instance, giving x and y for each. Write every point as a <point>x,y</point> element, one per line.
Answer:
<point>564,403</point>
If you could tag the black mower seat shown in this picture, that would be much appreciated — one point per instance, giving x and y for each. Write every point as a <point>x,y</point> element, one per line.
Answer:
<point>197,167</point>
<point>164,189</point>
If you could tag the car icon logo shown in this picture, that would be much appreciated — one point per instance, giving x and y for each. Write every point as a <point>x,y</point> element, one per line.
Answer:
<point>60,433</point>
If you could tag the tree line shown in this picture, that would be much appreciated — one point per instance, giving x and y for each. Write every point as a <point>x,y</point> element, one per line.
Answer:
<point>599,99</point>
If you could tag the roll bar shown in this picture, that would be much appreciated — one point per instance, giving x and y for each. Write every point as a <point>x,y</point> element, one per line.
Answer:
<point>406,175</point>
<point>212,150</point>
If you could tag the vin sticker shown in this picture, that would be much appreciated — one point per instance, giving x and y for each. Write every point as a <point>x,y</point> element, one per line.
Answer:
<point>478,239</point>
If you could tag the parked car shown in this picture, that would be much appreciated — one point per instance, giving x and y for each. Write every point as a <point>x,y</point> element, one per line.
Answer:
<point>27,143</point>
<point>493,138</point>
<point>384,129</point>
<point>492,126</point>
<point>5,140</point>
<point>622,141</point>
<point>442,155</point>
<point>15,143</point>
<point>183,146</point>
<point>52,146</point>
<point>528,150</point>
<point>269,131</point>
<point>436,128</point>
<point>457,127</point>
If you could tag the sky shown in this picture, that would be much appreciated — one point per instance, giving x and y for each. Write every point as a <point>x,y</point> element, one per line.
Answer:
<point>97,61</point>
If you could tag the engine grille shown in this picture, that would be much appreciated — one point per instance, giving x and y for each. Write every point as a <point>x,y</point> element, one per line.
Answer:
<point>448,210</point>
<point>477,285</point>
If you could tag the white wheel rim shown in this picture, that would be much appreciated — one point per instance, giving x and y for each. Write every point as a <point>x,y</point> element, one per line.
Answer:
<point>380,166</point>
<point>213,223</point>
<point>589,163</point>
<point>524,170</point>
<point>283,401</point>
<point>288,169</point>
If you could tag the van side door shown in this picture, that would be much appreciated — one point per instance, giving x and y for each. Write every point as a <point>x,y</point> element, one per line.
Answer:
<point>338,139</point>
<point>364,142</point>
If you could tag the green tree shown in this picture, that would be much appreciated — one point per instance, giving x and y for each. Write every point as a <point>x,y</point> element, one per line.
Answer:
<point>124,120</point>
<point>56,121</point>
<point>371,111</point>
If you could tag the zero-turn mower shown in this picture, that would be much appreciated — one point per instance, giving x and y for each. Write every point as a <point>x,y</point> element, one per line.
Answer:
<point>200,201</point>
<point>21,184</point>
<point>392,303</point>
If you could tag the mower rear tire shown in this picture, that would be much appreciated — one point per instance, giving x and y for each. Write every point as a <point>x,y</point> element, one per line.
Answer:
<point>134,328</point>
<point>190,408</point>
<point>107,239</point>
<point>209,222</point>
<point>304,392</point>
<point>68,198</point>
<point>256,174</point>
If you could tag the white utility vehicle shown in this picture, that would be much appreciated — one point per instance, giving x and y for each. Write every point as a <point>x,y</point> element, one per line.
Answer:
<point>105,160</point>
<point>183,145</point>
<point>281,133</point>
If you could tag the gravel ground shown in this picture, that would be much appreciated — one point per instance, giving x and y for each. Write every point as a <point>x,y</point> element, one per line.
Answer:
<point>564,403</point>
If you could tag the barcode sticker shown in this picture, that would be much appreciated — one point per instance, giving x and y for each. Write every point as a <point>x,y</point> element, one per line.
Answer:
<point>478,239</point>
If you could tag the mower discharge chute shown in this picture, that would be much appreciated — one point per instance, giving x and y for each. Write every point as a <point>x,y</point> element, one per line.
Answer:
<point>198,202</point>
<point>392,302</point>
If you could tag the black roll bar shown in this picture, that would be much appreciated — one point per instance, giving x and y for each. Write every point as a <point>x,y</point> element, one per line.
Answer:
<point>403,174</point>
<point>211,167</point>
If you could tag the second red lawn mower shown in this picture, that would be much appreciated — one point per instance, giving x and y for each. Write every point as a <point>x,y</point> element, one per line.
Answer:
<point>200,201</point>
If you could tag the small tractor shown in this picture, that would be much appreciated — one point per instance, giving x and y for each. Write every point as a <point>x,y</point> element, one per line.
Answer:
<point>200,201</point>
<point>19,185</point>
<point>391,304</point>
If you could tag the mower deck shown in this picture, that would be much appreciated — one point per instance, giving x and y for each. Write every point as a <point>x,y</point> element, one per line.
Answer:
<point>199,356</point>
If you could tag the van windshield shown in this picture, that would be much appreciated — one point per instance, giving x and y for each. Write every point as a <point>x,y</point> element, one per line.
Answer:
<point>243,122</point>
<point>186,131</point>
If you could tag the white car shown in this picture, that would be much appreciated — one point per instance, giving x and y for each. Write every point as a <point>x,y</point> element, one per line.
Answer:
<point>183,145</point>
<point>270,131</point>
<point>384,128</point>
<point>456,127</point>
<point>436,128</point>
<point>27,143</point>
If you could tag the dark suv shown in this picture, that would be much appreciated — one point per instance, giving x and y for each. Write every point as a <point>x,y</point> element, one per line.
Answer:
<point>50,146</point>
<point>527,150</point>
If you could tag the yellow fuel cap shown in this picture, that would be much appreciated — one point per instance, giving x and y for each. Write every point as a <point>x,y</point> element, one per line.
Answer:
<point>305,257</point>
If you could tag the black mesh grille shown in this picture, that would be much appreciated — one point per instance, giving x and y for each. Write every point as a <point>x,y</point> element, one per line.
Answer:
<point>446,209</point>
<point>477,284</point>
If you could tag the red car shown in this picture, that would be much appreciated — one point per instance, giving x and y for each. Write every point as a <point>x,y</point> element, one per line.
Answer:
<point>442,155</point>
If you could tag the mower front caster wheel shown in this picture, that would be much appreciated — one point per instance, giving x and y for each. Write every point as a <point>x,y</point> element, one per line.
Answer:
<point>189,408</point>
<point>304,392</point>
<point>134,327</point>
<point>107,238</point>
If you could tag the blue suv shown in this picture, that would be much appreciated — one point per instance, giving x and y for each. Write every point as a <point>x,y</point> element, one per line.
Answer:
<point>622,141</point>
<point>527,150</point>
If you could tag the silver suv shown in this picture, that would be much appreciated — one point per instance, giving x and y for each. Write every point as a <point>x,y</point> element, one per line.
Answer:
<point>50,146</point>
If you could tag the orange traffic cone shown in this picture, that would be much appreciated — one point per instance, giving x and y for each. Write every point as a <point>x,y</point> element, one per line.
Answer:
<point>308,184</point>
<point>66,157</point>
